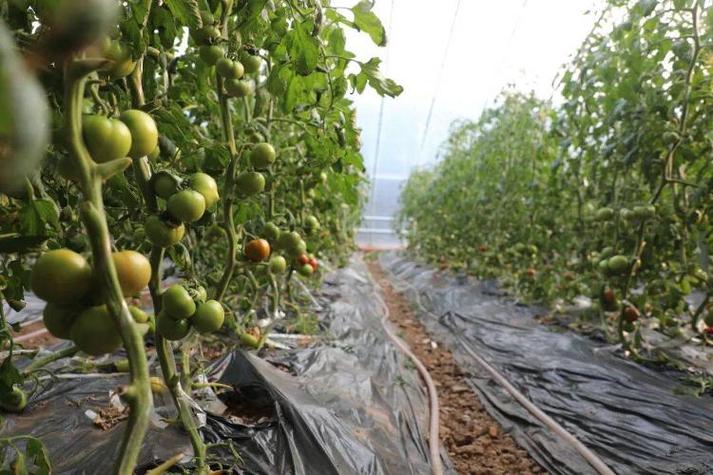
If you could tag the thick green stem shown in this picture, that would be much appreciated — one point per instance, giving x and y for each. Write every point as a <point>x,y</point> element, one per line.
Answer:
<point>228,222</point>
<point>138,393</point>
<point>168,364</point>
<point>57,355</point>
<point>142,174</point>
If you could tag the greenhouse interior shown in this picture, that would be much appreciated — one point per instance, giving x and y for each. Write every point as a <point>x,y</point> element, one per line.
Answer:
<point>368,237</point>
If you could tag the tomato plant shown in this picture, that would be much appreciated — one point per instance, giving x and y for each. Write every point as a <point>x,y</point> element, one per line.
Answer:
<point>181,131</point>
<point>606,194</point>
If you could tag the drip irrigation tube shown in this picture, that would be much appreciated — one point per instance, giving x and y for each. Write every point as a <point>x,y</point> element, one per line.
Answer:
<point>594,460</point>
<point>434,423</point>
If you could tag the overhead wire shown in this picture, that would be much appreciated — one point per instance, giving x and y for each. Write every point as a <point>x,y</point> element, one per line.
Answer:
<point>377,148</point>
<point>440,75</point>
<point>508,48</point>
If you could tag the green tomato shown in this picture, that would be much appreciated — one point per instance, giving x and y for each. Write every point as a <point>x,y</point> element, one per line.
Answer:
<point>644,212</point>
<point>206,186</point>
<point>61,276</point>
<point>58,320</point>
<point>16,402</point>
<point>604,214</point>
<point>278,265</point>
<point>617,264</point>
<point>291,243</point>
<point>603,266</point>
<point>252,63</point>
<point>144,133</point>
<point>122,365</point>
<point>106,139</point>
<point>162,233</point>
<point>239,88</point>
<point>164,184</point>
<point>199,293</point>
<point>155,154</point>
<point>262,155</point>
<point>626,214</point>
<point>95,333</point>
<point>211,54</point>
<point>138,315</point>
<point>229,69</point>
<point>209,317</point>
<point>177,302</point>
<point>207,17</point>
<point>311,223</point>
<point>170,328</point>
<point>305,270</point>
<point>249,183</point>
<point>122,62</point>
<point>271,232</point>
<point>187,206</point>
<point>249,340</point>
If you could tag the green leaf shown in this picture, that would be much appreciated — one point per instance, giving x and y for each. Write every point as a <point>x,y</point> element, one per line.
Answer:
<point>19,467</point>
<point>39,456</point>
<point>337,42</point>
<point>19,243</point>
<point>120,185</point>
<point>186,12</point>
<point>293,93</point>
<point>278,80</point>
<point>366,21</point>
<point>36,215</point>
<point>9,376</point>
<point>383,86</point>
<point>304,49</point>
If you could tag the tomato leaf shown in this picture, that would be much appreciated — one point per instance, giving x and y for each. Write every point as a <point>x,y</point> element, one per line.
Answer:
<point>39,456</point>
<point>186,12</point>
<point>17,243</point>
<point>304,49</point>
<point>383,86</point>
<point>36,215</point>
<point>9,376</point>
<point>366,21</point>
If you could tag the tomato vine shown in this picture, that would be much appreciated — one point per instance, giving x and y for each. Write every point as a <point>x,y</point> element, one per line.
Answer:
<point>214,141</point>
<point>606,194</point>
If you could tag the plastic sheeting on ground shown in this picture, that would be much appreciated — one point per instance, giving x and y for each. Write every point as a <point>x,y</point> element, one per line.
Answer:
<point>345,405</point>
<point>631,416</point>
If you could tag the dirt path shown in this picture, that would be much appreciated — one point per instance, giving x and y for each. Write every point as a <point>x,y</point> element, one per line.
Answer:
<point>474,440</point>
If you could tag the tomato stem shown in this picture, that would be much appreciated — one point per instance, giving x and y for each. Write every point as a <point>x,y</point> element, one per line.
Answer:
<point>228,221</point>
<point>167,361</point>
<point>93,217</point>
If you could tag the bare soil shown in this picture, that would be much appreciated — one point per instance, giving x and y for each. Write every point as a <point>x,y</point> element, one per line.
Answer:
<point>33,335</point>
<point>475,441</point>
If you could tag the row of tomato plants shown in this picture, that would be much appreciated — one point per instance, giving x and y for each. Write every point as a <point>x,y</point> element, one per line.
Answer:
<point>210,138</point>
<point>605,194</point>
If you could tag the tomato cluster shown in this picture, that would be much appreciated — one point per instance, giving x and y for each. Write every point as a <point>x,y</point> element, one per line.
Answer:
<point>216,138</point>
<point>289,243</point>
<point>184,308</point>
<point>74,310</point>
